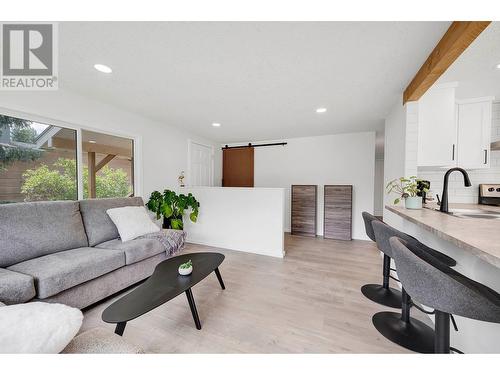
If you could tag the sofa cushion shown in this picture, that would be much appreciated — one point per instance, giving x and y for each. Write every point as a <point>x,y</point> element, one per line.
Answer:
<point>98,225</point>
<point>16,287</point>
<point>135,250</point>
<point>60,271</point>
<point>33,229</point>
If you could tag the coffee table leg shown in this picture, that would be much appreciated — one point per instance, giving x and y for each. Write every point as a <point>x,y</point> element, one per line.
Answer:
<point>189,295</point>
<point>120,327</point>
<point>219,277</point>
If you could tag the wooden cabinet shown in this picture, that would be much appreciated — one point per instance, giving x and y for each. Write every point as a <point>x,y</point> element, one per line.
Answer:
<point>338,212</point>
<point>437,129</point>
<point>474,133</point>
<point>304,206</point>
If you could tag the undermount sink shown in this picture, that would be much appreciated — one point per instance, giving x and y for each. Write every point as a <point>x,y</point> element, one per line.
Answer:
<point>474,213</point>
<point>478,215</point>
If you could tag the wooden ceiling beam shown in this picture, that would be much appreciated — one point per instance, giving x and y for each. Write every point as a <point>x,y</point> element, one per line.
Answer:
<point>457,38</point>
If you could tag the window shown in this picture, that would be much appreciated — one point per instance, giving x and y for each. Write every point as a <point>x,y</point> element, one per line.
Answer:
<point>108,167</point>
<point>40,162</point>
<point>37,161</point>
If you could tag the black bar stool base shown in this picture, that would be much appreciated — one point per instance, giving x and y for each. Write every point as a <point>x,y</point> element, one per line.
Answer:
<point>414,335</point>
<point>377,293</point>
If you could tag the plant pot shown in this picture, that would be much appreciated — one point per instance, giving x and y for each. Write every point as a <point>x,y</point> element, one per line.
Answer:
<point>166,223</point>
<point>185,271</point>
<point>413,203</point>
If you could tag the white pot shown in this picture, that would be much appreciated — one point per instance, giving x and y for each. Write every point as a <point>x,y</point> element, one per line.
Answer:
<point>413,203</point>
<point>185,271</point>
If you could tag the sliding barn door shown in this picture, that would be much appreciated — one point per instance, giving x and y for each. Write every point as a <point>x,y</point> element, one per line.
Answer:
<point>237,167</point>
<point>338,212</point>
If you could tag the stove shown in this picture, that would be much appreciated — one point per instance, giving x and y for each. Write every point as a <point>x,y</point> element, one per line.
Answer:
<point>489,194</point>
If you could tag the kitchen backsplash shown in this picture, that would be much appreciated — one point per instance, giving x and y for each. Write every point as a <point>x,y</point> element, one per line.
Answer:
<point>457,193</point>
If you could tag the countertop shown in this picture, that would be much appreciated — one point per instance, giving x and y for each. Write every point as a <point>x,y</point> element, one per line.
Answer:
<point>479,236</point>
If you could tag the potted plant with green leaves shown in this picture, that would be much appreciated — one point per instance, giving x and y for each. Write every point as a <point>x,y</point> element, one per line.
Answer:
<point>407,189</point>
<point>172,207</point>
<point>186,268</point>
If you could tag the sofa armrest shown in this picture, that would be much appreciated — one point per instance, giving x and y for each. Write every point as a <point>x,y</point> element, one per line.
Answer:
<point>16,287</point>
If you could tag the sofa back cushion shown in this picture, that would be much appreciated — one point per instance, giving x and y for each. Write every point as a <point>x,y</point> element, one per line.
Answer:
<point>33,229</point>
<point>98,225</point>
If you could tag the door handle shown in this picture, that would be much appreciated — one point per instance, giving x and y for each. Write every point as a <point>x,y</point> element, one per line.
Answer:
<point>453,152</point>
<point>485,156</point>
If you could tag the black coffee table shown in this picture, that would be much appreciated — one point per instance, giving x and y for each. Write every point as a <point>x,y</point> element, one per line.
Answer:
<point>164,284</point>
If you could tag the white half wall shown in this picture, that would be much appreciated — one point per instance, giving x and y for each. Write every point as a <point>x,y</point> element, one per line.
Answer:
<point>323,160</point>
<point>244,219</point>
<point>162,148</point>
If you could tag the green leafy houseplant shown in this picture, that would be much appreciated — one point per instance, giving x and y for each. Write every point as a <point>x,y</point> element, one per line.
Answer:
<point>404,188</point>
<point>186,265</point>
<point>172,207</point>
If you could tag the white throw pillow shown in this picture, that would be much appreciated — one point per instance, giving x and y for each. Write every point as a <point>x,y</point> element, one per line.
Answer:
<point>38,327</point>
<point>132,222</point>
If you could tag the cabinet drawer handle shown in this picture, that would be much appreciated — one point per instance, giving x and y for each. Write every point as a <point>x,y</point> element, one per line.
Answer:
<point>485,156</point>
<point>453,152</point>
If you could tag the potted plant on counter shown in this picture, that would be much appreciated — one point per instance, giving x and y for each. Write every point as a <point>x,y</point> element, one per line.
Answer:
<point>407,189</point>
<point>172,207</point>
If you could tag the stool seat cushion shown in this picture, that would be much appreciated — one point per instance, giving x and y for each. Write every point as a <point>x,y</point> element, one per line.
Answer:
<point>384,232</point>
<point>441,287</point>
<point>368,219</point>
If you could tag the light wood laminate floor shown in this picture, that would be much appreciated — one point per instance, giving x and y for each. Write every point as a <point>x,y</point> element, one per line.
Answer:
<point>308,302</point>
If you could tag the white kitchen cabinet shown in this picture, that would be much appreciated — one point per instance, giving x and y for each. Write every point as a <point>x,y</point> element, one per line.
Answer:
<point>474,133</point>
<point>437,127</point>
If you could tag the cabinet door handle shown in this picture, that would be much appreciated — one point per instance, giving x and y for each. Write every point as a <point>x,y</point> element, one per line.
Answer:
<point>453,152</point>
<point>485,156</point>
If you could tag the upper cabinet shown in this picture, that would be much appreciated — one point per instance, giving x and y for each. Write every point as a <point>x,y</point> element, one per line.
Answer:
<point>437,128</point>
<point>474,132</point>
<point>453,132</point>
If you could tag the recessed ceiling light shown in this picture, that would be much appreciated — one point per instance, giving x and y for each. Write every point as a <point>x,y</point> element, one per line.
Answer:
<point>103,68</point>
<point>216,125</point>
<point>497,66</point>
<point>321,110</point>
<point>91,141</point>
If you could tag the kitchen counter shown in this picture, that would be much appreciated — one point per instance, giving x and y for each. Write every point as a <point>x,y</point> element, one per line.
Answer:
<point>481,237</point>
<point>475,245</point>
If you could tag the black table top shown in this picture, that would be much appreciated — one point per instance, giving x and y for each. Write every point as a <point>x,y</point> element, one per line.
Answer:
<point>164,284</point>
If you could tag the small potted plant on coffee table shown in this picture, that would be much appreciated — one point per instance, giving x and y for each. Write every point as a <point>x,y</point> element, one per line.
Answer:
<point>186,268</point>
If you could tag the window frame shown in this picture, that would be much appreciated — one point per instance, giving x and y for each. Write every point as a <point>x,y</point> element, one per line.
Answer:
<point>136,149</point>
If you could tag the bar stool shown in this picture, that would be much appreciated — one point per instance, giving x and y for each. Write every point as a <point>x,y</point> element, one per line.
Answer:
<point>445,290</point>
<point>401,328</point>
<point>382,294</point>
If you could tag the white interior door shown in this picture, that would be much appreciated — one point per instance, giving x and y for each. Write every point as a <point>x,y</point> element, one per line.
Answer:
<point>201,165</point>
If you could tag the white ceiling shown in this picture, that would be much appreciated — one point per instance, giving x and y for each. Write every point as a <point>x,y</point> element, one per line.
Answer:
<point>475,69</point>
<point>259,80</point>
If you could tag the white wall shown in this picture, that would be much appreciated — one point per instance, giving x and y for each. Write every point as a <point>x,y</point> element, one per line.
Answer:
<point>394,147</point>
<point>378,192</point>
<point>332,159</point>
<point>162,148</point>
<point>244,219</point>
<point>457,192</point>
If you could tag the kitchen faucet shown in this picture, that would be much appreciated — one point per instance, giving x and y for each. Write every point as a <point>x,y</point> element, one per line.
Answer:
<point>444,197</point>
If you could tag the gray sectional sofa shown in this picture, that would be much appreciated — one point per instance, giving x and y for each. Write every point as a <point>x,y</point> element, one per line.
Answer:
<point>69,252</point>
